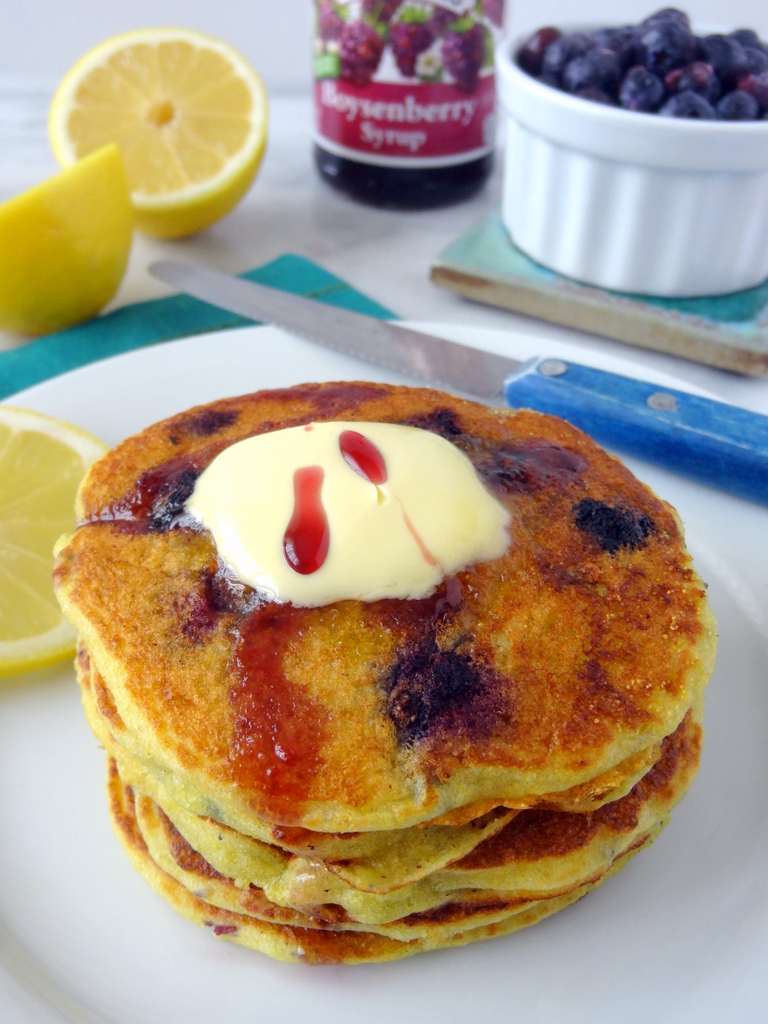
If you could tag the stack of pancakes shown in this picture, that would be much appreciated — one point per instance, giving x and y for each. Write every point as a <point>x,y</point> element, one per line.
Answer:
<point>364,781</point>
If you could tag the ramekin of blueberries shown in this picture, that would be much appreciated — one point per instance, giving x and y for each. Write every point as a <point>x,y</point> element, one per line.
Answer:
<point>637,157</point>
<point>656,67</point>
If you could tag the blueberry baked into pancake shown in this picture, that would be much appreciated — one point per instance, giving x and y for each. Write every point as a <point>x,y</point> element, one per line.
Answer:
<point>379,670</point>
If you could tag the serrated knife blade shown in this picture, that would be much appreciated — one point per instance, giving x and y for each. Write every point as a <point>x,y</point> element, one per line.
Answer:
<point>706,440</point>
<point>428,358</point>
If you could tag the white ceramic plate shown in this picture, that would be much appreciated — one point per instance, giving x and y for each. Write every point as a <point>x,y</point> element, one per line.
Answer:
<point>681,935</point>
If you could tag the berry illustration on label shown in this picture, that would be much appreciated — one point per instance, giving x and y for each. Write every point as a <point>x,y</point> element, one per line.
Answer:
<point>405,82</point>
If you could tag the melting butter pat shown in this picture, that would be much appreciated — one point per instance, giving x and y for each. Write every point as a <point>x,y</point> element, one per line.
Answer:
<point>426,516</point>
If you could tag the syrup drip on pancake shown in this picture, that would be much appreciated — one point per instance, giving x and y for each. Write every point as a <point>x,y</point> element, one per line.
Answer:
<point>307,536</point>
<point>279,730</point>
<point>156,503</point>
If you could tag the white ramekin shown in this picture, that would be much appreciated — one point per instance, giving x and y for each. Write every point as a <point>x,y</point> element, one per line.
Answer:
<point>628,201</point>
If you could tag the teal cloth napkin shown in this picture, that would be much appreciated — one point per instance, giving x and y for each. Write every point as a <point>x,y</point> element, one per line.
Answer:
<point>178,316</point>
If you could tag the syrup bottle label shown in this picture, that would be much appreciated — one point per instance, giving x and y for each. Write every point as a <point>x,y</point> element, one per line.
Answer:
<point>403,83</point>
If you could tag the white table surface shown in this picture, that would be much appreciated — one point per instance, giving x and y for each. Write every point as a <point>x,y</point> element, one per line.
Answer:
<point>383,253</point>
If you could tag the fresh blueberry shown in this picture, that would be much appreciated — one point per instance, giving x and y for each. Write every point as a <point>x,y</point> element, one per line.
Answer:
<point>596,95</point>
<point>747,37</point>
<point>656,66</point>
<point>667,14</point>
<point>668,45</point>
<point>623,42</point>
<point>688,104</point>
<point>531,55</point>
<point>596,68</point>
<point>641,90</point>
<point>738,106</point>
<point>757,86</point>
<point>699,77</point>
<point>727,57</point>
<point>562,51</point>
<point>757,60</point>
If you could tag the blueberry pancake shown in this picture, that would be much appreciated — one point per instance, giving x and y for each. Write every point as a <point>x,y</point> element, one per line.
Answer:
<point>373,747</point>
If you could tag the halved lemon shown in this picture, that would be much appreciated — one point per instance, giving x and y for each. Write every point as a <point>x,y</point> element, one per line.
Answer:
<point>42,461</point>
<point>64,245</point>
<point>188,113</point>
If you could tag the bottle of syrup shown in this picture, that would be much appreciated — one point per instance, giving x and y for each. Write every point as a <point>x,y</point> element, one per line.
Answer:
<point>405,98</point>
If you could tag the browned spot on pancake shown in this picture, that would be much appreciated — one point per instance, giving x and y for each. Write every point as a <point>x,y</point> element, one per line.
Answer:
<point>185,855</point>
<point>683,745</point>
<point>105,702</point>
<point>535,465</point>
<point>445,422</point>
<point>602,700</point>
<point>325,948</point>
<point>328,914</point>
<point>330,400</point>
<point>279,730</point>
<point>638,844</point>
<point>123,807</point>
<point>470,814</point>
<point>207,422</point>
<point>302,837</point>
<point>452,913</point>
<point>533,835</point>
<point>537,834</point>
<point>84,665</point>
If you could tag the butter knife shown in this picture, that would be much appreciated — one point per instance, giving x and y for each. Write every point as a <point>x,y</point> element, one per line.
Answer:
<point>708,441</point>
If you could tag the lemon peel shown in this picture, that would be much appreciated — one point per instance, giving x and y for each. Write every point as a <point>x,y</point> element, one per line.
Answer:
<point>42,462</point>
<point>64,245</point>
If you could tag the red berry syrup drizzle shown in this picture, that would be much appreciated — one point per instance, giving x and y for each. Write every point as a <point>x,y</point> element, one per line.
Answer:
<point>307,537</point>
<point>363,456</point>
<point>279,730</point>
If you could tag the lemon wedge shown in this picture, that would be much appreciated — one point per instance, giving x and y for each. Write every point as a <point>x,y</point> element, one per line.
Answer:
<point>42,462</point>
<point>188,113</point>
<point>64,245</point>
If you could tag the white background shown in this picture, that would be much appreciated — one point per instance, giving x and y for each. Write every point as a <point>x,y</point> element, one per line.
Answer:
<point>47,36</point>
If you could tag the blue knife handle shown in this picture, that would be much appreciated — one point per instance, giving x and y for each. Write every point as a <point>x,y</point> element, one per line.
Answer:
<point>712,442</point>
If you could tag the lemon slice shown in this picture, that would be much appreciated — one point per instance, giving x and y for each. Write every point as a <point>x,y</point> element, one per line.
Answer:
<point>188,113</point>
<point>42,462</point>
<point>64,245</point>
